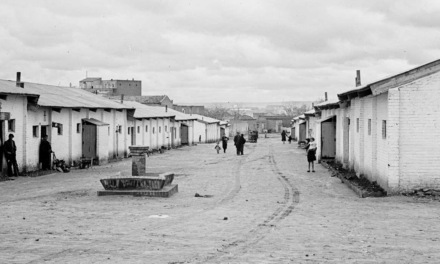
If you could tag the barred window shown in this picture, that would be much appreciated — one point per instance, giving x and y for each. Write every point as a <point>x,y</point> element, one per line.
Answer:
<point>11,125</point>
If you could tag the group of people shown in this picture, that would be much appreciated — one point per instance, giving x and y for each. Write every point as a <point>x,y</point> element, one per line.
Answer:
<point>239,142</point>
<point>10,150</point>
<point>284,135</point>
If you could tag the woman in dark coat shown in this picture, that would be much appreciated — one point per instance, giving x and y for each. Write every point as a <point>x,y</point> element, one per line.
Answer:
<point>225,143</point>
<point>45,153</point>
<point>240,146</point>
<point>283,136</point>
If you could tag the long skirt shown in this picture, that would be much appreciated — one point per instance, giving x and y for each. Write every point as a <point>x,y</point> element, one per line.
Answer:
<point>311,156</point>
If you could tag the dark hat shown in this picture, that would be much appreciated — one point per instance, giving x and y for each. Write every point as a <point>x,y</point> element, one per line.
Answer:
<point>11,135</point>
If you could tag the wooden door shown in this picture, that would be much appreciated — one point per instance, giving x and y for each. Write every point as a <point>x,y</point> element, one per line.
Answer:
<point>133,136</point>
<point>89,140</point>
<point>302,132</point>
<point>184,134</point>
<point>328,139</point>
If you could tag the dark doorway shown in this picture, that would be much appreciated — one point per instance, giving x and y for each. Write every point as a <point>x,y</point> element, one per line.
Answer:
<point>133,136</point>
<point>43,131</point>
<point>184,134</point>
<point>302,132</point>
<point>328,138</point>
<point>222,132</point>
<point>2,125</point>
<point>89,140</point>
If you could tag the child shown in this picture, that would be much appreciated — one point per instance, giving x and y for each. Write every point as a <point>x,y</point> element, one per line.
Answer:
<point>217,147</point>
<point>311,157</point>
<point>290,139</point>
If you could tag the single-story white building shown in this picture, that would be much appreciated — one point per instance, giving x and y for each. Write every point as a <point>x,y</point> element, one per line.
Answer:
<point>71,117</point>
<point>388,130</point>
<point>206,129</point>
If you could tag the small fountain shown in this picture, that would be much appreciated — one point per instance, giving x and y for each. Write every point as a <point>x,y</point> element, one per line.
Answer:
<point>141,183</point>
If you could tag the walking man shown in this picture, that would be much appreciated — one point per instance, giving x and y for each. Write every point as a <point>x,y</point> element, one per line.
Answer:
<point>237,142</point>
<point>225,143</point>
<point>10,153</point>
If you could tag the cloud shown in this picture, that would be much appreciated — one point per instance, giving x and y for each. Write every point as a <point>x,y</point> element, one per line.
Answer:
<point>202,50</point>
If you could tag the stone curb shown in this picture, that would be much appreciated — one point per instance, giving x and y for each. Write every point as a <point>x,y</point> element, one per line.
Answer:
<point>360,192</point>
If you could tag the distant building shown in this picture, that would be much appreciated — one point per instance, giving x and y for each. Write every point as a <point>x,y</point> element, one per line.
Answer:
<point>190,109</point>
<point>111,87</point>
<point>152,100</point>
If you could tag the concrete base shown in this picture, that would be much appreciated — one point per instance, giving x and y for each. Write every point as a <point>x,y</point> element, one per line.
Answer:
<point>167,191</point>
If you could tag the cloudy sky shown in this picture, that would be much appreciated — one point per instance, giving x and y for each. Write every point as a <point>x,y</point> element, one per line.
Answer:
<point>206,51</point>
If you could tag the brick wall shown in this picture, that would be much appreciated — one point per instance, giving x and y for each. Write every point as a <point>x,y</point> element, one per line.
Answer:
<point>419,123</point>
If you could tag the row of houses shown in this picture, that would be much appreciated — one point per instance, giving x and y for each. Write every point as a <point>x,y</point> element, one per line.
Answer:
<point>386,131</point>
<point>82,124</point>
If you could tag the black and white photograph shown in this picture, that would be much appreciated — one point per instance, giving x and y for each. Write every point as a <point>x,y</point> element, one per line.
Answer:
<point>208,131</point>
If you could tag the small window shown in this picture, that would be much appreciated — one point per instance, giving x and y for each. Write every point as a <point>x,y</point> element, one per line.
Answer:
<point>166,128</point>
<point>128,130</point>
<point>11,125</point>
<point>146,128</point>
<point>369,127</point>
<point>160,129</point>
<point>35,131</point>
<point>384,129</point>
<point>357,125</point>
<point>139,129</point>
<point>78,128</point>
<point>60,129</point>
<point>154,130</point>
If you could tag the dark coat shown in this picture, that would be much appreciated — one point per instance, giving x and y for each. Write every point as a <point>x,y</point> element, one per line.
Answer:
<point>283,136</point>
<point>236,139</point>
<point>241,142</point>
<point>9,147</point>
<point>45,150</point>
<point>225,142</point>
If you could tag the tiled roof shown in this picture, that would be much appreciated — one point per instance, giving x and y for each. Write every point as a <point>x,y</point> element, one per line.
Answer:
<point>91,79</point>
<point>206,119</point>
<point>62,97</point>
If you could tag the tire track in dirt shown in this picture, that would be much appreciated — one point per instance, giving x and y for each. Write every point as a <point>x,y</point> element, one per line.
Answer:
<point>256,234</point>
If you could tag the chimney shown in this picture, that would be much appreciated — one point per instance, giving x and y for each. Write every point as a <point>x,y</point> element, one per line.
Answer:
<point>166,108</point>
<point>18,82</point>
<point>326,97</point>
<point>122,98</point>
<point>358,78</point>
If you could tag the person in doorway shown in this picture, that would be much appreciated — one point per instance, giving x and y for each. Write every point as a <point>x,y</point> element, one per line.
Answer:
<point>45,153</point>
<point>236,141</point>
<point>11,158</point>
<point>283,136</point>
<point>225,143</point>
<point>311,154</point>
<point>241,142</point>
<point>217,147</point>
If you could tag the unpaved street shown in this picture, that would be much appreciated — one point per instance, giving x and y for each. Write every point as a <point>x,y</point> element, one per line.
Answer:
<point>276,213</point>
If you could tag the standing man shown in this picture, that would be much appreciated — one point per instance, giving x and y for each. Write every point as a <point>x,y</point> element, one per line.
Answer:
<point>241,144</point>
<point>237,142</point>
<point>10,153</point>
<point>45,153</point>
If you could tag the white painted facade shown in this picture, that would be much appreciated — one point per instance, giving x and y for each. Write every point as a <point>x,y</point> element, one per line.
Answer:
<point>391,136</point>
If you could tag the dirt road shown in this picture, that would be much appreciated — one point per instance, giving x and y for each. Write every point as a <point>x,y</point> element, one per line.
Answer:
<point>276,213</point>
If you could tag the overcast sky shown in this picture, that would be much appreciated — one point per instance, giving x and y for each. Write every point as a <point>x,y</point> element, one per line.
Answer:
<point>206,51</point>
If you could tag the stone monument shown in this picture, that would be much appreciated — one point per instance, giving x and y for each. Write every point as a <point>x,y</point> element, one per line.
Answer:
<point>141,183</point>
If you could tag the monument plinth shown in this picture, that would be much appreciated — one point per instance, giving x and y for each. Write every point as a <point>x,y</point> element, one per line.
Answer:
<point>141,183</point>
